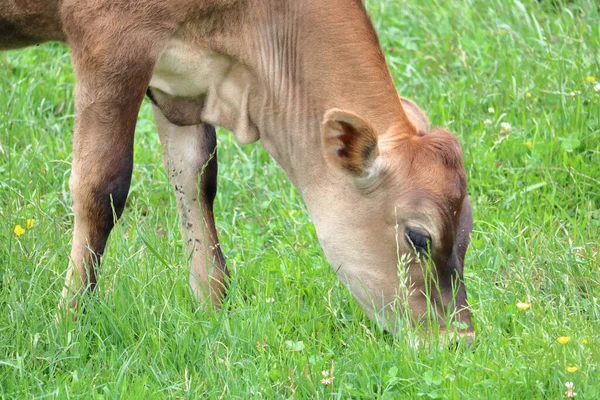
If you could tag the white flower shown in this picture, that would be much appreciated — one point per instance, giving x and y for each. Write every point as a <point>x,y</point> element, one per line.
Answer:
<point>569,394</point>
<point>491,110</point>
<point>487,122</point>
<point>269,300</point>
<point>328,375</point>
<point>597,87</point>
<point>505,126</point>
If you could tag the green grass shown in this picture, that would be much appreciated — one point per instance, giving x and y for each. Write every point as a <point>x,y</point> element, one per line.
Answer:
<point>535,191</point>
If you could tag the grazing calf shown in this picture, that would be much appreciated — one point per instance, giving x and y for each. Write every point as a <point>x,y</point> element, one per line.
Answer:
<point>386,193</point>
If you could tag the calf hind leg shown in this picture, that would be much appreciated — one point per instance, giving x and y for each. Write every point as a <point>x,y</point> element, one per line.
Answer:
<point>191,162</point>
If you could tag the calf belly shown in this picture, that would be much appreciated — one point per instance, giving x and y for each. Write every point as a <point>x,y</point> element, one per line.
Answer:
<point>27,23</point>
<point>11,37</point>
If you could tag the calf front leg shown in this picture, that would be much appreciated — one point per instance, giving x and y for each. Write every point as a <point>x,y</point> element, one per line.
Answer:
<point>190,159</point>
<point>112,75</point>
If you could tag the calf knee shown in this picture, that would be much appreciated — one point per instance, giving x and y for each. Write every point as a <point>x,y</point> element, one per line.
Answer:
<point>99,199</point>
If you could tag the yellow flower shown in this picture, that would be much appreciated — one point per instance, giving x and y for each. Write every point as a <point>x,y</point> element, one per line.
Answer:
<point>584,341</point>
<point>572,369</point>
<point>590,79</point>
<point>528,144</point>
<point>19,230</point>
<point>29,223</point>
<point>528,95</point>
<point>523,306</point>
<point>563,339</point>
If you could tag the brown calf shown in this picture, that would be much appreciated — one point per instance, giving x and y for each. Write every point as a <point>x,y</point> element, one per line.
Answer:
<point>308,78</point>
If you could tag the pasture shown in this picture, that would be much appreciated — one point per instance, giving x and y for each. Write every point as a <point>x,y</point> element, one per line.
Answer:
<point>517,81</point>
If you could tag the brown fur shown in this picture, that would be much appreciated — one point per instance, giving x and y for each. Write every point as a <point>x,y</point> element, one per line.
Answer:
<point>27,22</point>
<point>289,64</point>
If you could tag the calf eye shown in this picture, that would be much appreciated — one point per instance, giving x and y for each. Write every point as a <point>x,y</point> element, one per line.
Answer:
<point>418,239</point>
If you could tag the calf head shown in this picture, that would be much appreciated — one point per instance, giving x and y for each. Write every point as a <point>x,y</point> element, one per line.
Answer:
<point>398,236</point>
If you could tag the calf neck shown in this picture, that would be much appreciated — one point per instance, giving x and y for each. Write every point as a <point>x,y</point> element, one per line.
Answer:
<point>386,193</point>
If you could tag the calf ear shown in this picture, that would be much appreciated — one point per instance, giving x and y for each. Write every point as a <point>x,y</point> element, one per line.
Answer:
<point>350,142</point>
